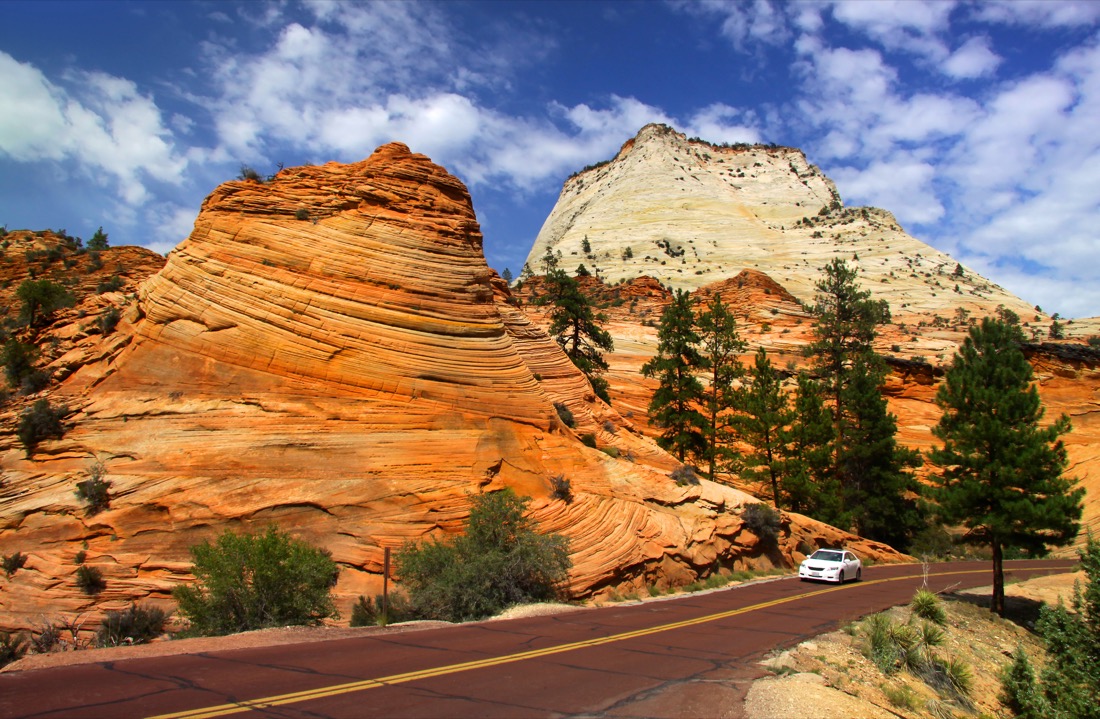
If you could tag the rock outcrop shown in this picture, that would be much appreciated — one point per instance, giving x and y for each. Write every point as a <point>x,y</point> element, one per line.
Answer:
<point>329,352</point>
<point>690,213</point>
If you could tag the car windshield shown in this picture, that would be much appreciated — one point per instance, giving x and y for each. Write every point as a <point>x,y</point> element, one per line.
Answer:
<point>824,555</point>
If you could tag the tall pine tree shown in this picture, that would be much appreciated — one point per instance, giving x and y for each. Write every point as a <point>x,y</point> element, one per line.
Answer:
<point>1001,473</point>
<point>578,329</point>
<point>867,460</point>
<point>808,486</point>
<point>765,416</point>
<point>674,407</point>
<point>719,347</point>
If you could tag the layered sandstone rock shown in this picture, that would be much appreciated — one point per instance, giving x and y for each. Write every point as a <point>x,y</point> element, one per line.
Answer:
<point>330,352</point>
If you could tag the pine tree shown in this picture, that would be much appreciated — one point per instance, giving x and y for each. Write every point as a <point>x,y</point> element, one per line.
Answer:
<point>868,462</point>
<point>762,424</point>
<point>1001,473</point>
<point>577,329</point>
<point>719,347</point>
<point>879,490</point>
<point>98,242</point>
<point>674,404</point>
<point>808,486</point>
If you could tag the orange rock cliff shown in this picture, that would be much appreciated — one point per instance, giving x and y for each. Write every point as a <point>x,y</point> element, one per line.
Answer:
<point>329,352</point>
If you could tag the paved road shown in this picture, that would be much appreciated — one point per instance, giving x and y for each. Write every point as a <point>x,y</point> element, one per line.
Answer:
<point>683,657</point>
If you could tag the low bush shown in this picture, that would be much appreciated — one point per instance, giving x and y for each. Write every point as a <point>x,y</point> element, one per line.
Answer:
<point>927,605</point>
<point>112,285</point>
<point>108,321</point>
<point>763,521</point>
<point>588,440</point>
<point>684,475</point>
<point>47,639</point>
<point>500,559</point>
<point>561,489</point>
<point>133,625</point>
<point>366,613</point>
<point>252,581</point>
<point>12,563</point>
<point>41,421</point>
<point>301,214</point>
<point>90,579</point>
<point>565,415</point>
<point>95,491</point>
<point>12,648</point>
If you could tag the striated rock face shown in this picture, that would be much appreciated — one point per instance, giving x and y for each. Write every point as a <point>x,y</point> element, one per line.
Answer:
<point>330,352</point>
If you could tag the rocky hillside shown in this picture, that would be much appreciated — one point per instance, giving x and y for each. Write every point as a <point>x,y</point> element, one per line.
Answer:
<point>756,224</point>
<point>329,351</point>
<point>690,213</point>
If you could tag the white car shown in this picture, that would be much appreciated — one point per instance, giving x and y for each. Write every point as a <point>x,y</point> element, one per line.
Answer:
<point>831,565</point>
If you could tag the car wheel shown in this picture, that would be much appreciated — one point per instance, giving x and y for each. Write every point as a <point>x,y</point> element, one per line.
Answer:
<point>859,574</point>
<point>840,577</point>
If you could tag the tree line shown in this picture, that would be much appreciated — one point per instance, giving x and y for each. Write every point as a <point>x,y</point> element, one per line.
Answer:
<point>825,444</point>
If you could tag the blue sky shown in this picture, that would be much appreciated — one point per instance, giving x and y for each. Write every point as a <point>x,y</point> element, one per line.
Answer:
<point>977,125</point>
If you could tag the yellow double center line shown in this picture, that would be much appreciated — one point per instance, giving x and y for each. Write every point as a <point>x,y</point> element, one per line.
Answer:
<point>349,687</point>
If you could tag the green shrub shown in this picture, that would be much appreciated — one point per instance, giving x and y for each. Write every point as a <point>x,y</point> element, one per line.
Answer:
<point>684,475</point>
<point>112,285</point>
<point>365,613</point>
<point>901,696</point>
<point>561,489</point>
<point>565,415</point>
<point>12,563</point>
<point>90,579</point>
<point>252,581</point>
<point>1070,683</point>
<point>42,298</point>
<point>500,560</point>
<point>95,262</point>
<point>248,173</point>
<point>18,360</point>
<point>41,421</point>
<point>95,491</point>
<point>301,214</point>
<point>763,521</point>
<point>47,639</point>
<point>108,321</point>
<point>12,648</point>
<point>134,625</point>
<point>99,241</point>
<point>588,440</point>
<point>927,605</point>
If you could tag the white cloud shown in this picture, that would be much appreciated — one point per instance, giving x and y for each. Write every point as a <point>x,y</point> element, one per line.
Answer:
<point>973,59</point>
<point>32,133</point>
<point>100,121</point>
<point>1038,13</point>
<point>901,184</point>
<point>910,25</point>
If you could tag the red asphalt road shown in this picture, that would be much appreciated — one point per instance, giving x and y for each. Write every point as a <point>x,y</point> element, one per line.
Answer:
<point>676,657</point>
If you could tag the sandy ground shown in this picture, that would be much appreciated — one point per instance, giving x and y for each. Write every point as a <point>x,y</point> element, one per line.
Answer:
<point>830,674</point>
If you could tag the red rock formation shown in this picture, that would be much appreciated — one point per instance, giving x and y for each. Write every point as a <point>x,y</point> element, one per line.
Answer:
<point>330,352</point>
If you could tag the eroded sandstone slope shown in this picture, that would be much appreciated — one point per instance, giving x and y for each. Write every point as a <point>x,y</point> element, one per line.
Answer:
<point>329,351</point>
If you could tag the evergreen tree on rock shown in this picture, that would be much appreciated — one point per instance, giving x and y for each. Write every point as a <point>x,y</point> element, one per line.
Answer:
<point>674,407</point>
<point>578,329</point>
<point>719,347</point>
<point>765,417</point>
<point>809,486</point>
<point>1002,474</point>
<point>868,462</point>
